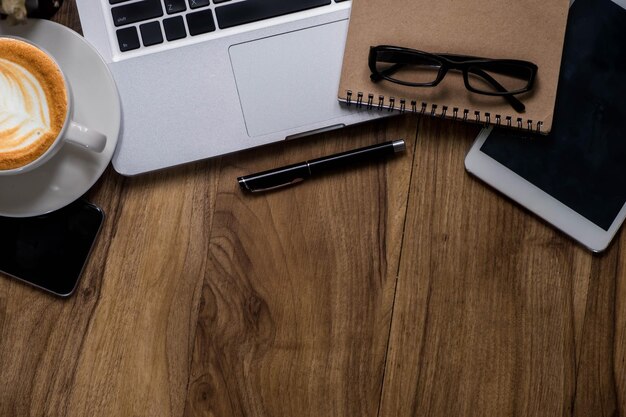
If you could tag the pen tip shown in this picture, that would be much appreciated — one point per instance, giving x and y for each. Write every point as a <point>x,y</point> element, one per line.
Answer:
<point>242,184</point>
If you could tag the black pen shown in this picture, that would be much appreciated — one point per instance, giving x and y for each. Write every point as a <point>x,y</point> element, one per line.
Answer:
<point>291,174</point>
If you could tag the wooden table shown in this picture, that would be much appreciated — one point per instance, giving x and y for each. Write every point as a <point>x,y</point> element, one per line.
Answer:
<point>401,289</point>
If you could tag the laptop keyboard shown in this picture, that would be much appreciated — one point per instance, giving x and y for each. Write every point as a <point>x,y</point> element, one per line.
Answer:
<point>139,22</point>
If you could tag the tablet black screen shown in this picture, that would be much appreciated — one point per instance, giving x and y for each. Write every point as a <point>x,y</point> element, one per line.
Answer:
<point>582,162</point>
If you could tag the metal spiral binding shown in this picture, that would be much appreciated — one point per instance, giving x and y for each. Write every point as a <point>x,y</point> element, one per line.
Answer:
<point>402,106</point>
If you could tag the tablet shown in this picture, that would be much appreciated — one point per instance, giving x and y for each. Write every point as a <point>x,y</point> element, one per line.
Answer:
<point>575,177</point>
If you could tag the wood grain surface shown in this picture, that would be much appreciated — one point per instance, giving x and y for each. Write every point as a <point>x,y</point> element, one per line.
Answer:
<point>406,288</point>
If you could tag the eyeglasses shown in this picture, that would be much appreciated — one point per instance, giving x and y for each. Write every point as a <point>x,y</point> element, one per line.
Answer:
<point>492,77</point>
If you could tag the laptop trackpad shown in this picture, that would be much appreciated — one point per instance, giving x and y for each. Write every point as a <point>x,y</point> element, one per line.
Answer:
<point>289,80</point>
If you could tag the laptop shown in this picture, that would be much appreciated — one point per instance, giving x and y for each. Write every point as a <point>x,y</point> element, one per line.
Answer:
<point>202,78</point>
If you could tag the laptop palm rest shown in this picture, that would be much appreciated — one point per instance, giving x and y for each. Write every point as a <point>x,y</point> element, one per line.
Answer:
<point>290,80</point>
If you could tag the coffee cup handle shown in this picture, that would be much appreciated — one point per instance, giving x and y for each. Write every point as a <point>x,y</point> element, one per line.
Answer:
<point>85,137</point>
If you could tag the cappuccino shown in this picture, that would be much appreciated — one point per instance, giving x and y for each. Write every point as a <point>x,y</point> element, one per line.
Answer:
<point>33,103</point>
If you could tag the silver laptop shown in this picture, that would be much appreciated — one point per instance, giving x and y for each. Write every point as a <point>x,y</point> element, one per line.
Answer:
<point>201,78</point>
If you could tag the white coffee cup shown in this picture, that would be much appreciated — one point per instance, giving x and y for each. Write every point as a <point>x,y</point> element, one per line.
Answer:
<point>72,132</point>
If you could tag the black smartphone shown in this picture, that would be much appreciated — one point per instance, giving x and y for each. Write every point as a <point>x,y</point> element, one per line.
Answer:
<point>50,251</point>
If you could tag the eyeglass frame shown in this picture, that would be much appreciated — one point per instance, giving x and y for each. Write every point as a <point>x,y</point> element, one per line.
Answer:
<point>460,63</point>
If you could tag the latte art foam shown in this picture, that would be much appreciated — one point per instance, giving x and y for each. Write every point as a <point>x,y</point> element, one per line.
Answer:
<point>24,113</point>
<point>33,103</point>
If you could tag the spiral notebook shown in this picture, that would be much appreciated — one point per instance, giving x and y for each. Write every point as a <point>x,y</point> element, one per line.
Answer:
<point>531,30</point>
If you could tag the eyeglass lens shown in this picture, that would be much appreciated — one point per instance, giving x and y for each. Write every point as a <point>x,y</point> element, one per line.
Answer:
<point>407,68</point>
<point>508,77</point>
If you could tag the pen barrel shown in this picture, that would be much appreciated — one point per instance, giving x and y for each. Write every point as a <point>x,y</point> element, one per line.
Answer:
<point>364,155</point>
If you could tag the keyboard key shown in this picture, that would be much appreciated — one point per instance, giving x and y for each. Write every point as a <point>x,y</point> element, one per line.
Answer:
<point>249,11</point>
<point>136,12</point>
<point>200,22</point>
<point>174,28</point>
<point>194,4</point>
<point>128,39</point>
<point>151,33</point>
<point>174,6</point>
<point>117,1</point>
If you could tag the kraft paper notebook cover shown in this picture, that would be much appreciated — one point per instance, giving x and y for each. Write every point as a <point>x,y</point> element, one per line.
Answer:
<point>531,30</point>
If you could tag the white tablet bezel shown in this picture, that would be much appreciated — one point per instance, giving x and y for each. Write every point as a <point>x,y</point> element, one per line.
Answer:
<point>538,201</point>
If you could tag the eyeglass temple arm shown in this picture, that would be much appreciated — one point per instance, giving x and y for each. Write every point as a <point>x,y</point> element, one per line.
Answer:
<point>500,68</point>
<point>513,101</point>
<point>510,70</point>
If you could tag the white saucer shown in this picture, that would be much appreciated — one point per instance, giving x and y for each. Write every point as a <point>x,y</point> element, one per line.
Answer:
<point>71,172</point>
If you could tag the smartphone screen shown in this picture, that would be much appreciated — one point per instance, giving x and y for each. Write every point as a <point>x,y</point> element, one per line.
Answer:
<point>50,251</point>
